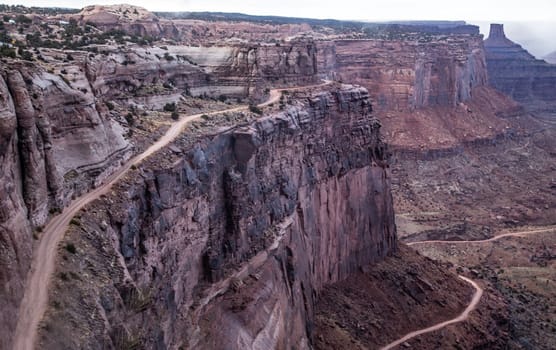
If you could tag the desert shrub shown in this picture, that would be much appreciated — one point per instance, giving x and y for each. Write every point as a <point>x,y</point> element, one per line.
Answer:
<point>70,247</point>
<point>170,107</point>
<point>255,109</point>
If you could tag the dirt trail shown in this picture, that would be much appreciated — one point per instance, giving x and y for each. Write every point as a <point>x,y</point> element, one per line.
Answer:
<point>478,290</point>
<point>462,317</point>
<point>33,304</point>
<point>495,238</point>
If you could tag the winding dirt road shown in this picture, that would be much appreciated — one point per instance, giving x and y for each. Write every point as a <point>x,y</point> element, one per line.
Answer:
<point>492,239</point>
<point>34,302</point>
<point>462,317</point>
<point>478,290</point>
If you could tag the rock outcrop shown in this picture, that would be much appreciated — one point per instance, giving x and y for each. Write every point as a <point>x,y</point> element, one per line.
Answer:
<point>517,73</point>
<point>229,243</point>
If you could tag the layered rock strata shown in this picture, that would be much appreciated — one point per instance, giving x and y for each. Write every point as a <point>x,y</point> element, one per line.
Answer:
<point>432,89</point>
<point>54,145</point>
<point>517,73</point>
<point>410,71</point>
<point>228,243</point>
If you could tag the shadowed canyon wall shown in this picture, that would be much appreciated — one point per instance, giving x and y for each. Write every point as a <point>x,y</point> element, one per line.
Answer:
<point>59,136</point>
<point>228,243</point>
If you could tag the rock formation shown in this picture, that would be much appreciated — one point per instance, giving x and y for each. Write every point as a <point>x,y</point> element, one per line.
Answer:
<point>431,88</point>
<point>517,73</point>
<point>296,200</point>
<point>434,70</point>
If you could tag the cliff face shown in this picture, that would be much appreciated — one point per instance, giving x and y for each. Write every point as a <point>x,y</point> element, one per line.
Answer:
<point>517,73</point>
<point>53,145</point>
<point>413,71</point>
<point>58,138</point>
<point>155,76</point>
<point>229,243</point>
<point>431,88</point>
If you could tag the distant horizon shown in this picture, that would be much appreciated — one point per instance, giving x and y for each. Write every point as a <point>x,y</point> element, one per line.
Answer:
<point>532,30</point>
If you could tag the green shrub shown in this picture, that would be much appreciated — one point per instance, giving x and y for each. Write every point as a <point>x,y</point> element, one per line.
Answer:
<point>175,115</point>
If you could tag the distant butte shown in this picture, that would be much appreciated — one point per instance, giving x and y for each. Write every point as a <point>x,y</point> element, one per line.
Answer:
<point>514,71</point>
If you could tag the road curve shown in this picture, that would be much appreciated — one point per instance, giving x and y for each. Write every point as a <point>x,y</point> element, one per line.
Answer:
<point>495,238</point>
<point>478,290</point>
<point>462,317</point>
<point>33,304</point>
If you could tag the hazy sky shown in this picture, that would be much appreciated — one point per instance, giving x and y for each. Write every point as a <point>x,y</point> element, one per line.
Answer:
<point>474,11</point>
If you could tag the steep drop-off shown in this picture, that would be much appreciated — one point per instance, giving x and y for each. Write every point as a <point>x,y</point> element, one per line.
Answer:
<point>228,241</point>
<point>65,125</point>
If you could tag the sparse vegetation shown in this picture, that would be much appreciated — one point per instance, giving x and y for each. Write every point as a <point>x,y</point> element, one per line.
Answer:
<point>70,248</point>
<point>255,109</point>
<point>170,107</point>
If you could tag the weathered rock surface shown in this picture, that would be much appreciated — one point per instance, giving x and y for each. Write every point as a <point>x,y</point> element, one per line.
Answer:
<point>295,200</point>
<point>410,71</point>
<point>15,229</point>
<point>431,88</point>
<point>58,138</point>
<point>517,73</point>
<point>53,145</point>
<point>154,76</point>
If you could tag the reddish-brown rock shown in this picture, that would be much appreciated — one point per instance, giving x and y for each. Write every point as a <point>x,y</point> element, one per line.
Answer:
<point>231,242</point>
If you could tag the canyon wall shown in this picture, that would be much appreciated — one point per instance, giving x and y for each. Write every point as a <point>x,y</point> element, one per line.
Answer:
<point>154,76</point>
<point>227,242</point>
<point>53,145</point>
<point>61,136</point>
<point>517,73</point>
<point>431,89</point>
<point>409,71</point>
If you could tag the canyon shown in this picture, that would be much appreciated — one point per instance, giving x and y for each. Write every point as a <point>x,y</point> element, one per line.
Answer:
<point>267,224</point>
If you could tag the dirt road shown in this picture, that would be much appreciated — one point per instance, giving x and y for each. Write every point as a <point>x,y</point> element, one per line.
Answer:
<point>35,299</point>
<point>495,238</point>
<point>478,290</point>
<point>462,317</point>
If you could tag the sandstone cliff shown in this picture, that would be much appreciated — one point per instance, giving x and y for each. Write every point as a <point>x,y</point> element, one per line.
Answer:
<point>155,76</point>
<point>230,241</point>
<point>408,73</point>
<point>431,88</point>
<point>517,73</point>
<point>53,144</point>
<point>59,138</point>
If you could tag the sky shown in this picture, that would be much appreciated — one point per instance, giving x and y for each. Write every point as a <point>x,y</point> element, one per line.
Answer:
<point>528,19</point>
